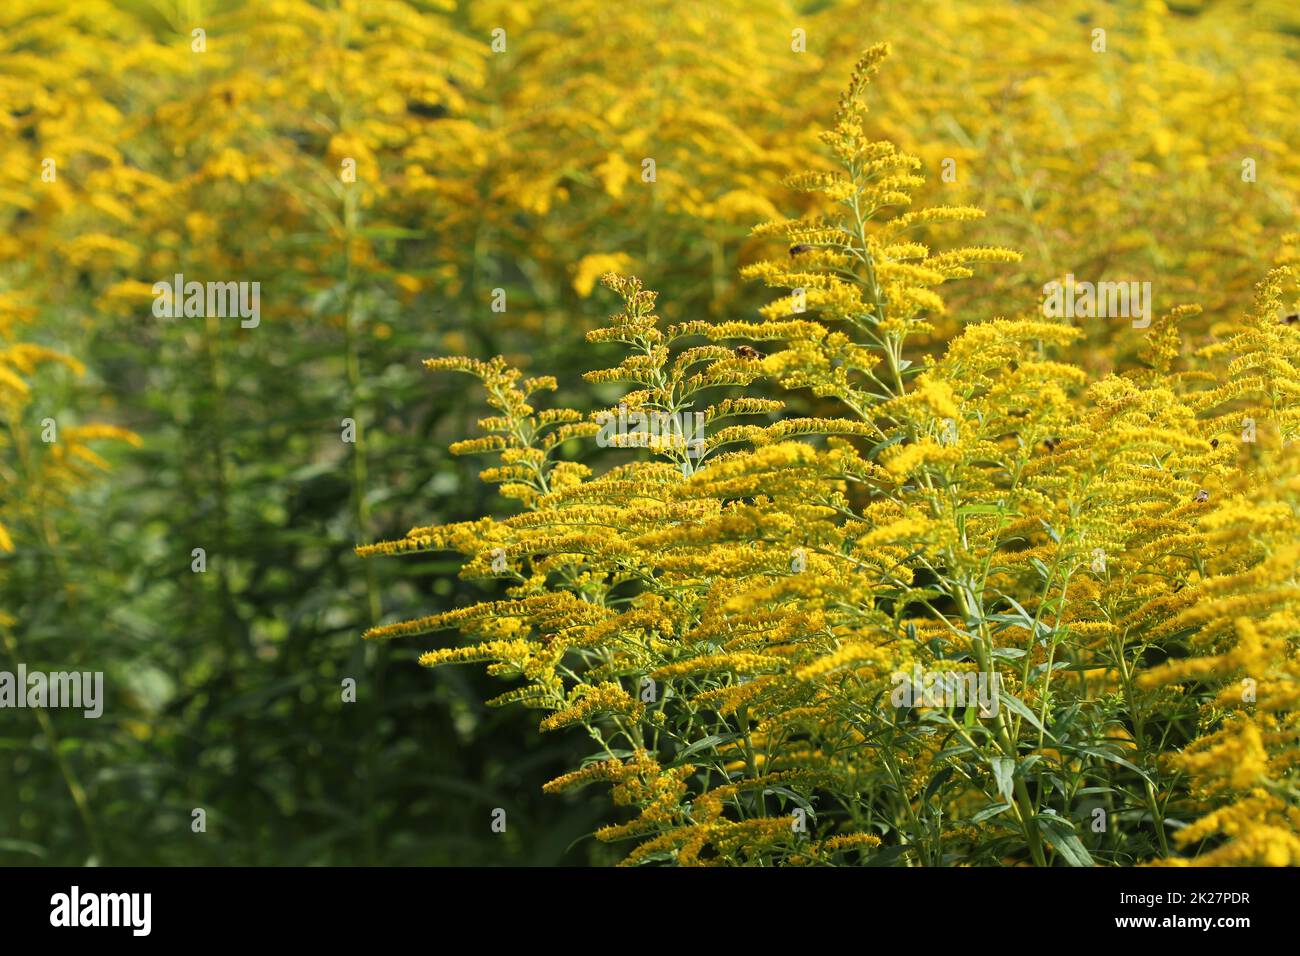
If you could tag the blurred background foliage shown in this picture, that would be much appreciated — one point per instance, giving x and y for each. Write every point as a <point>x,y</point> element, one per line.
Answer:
<point>476,170</point>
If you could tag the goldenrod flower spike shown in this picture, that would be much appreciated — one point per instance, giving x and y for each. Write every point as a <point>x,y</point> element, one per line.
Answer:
<point>915,618</point>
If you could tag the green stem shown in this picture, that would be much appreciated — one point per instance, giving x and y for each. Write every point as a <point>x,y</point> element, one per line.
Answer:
<point>70,779</point>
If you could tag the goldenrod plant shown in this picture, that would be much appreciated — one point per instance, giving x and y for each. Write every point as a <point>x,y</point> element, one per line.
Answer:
<point>738,619</point>
<point>40,459</point>
<point>43,460</point>
<point>1108,141</point>
<point>880,455</point>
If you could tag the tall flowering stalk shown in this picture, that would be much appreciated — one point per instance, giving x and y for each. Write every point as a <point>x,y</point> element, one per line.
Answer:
<point>730,623</point>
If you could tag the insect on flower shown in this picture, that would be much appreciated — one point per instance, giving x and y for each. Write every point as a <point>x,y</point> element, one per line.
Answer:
<point>431,111</point>
<point>1202,495</point>
<point>748,352</point>
<point>799,248</point>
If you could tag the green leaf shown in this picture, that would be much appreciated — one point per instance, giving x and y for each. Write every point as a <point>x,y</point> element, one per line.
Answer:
<point>1018,706</point>
<point>1024,615</point>
<point>1113,758</point>
<point>992,810</point>
<point>712,740</point>
<point>1003,770</point>
<point>877,449</point>
<point>21,846</point>
<point>601,756</point>
<point>795,798</point>
<point>1060,834</point>
<point>887,856</point>
<point>936,782</point>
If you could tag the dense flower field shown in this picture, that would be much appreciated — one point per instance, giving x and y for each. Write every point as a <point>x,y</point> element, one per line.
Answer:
<point>894,452</point>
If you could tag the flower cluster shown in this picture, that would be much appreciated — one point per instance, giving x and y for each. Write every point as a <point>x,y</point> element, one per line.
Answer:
<point>1108,552</point>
